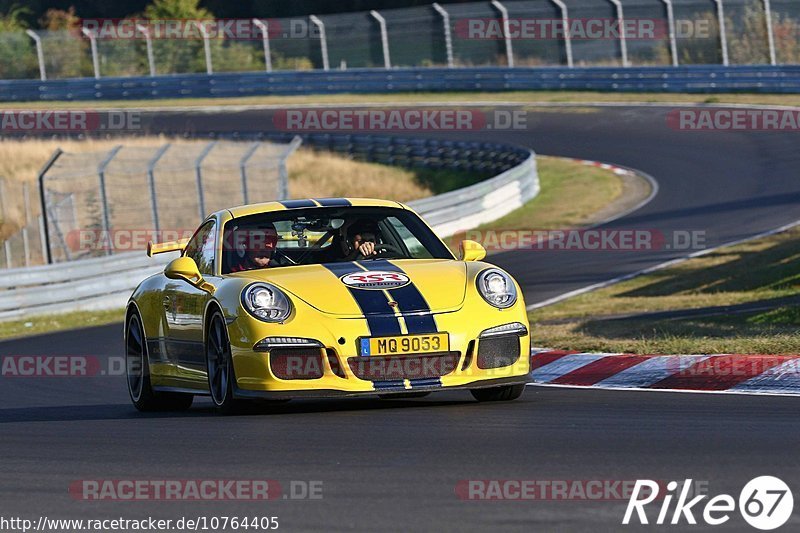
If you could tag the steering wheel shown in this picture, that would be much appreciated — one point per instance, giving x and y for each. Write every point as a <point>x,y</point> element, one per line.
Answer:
<point>382,249</point>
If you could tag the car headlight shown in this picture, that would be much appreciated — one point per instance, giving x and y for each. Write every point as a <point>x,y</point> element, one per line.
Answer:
<point>497,288</point>
<point>266,302</point>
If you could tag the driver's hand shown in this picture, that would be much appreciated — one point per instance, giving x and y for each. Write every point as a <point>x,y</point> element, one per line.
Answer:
<point>367,249</point>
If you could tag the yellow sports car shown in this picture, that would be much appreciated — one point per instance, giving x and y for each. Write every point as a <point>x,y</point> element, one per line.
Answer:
<point>322,298</point>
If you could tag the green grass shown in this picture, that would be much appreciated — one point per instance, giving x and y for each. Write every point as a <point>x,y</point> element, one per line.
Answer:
<point>449,97</point>
<point>47,323</point>
<point>563,201</point>
<point>753,272</point>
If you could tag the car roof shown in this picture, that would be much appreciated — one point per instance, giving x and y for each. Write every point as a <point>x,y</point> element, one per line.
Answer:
<point>266,207</point>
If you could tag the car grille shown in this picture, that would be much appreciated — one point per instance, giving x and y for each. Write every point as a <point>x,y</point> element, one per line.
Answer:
<point>296,363</point>
<point>404,366</point>
<point>496,352</point>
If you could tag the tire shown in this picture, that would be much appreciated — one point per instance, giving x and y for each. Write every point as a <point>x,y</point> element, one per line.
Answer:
<point>137,370</point>
<point>403,395</point>
<point>219,366</point>
<point>498,394</point>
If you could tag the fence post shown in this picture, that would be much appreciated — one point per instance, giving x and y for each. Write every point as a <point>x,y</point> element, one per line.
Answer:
<point>2,200</point>
<point>39,53</point>
<point>723,37</point>
<point>48,255</point>
<point>387,60</point>
<point>148,41</point>
<point>264,27</point>
<point>283,171</point>
<point>567,37</point>
<point>323,40</point>
<point>151,183</point>
<point>25,239</point>
<point>623,41</point>
<point>6,244</point>
<point>243,169</point>
<point>101,174</point>
<point>773,58</point>
<point>506,31</point>
<point>201,199</point>
<point>448,38</point>
<point>206,46</point>
<point>93,42</point>
<point>673,42</point>
<point>43,238</point>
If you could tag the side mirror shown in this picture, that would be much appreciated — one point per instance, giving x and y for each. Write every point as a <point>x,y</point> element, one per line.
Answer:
<point>471,251</point>
<point>186,269</point>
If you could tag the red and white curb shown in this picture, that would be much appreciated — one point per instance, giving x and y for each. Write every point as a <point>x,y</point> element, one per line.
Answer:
<point>619,171</point>
<point>744,374</point>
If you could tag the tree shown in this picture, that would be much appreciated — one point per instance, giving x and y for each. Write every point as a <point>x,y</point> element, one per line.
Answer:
<point>17,56</point>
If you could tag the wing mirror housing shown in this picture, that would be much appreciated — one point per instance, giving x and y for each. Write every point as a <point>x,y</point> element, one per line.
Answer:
<point>185,268</point>
<point>471,251</point>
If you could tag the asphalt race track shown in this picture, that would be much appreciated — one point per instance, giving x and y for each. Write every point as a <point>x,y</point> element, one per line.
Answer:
<point>394,465</point>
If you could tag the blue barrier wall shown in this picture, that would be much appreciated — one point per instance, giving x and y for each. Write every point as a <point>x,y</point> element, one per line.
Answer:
<point>687,79</point>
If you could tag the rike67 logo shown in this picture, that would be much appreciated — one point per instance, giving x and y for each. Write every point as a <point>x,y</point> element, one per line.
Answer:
<point>765,503</point>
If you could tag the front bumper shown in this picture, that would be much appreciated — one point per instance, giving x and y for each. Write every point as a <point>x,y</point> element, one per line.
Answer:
<point>338,348</point>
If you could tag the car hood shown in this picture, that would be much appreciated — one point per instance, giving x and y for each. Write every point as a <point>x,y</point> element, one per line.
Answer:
<point>427,285</point>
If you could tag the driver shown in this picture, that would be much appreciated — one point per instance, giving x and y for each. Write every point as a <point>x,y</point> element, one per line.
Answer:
<point>361,239</point>
<point>254,248</point>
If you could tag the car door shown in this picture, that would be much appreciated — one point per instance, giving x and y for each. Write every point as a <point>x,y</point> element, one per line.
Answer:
<point>184,306</point>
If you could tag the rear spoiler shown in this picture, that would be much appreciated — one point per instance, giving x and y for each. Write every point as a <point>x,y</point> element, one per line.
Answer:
<point>164,247</point>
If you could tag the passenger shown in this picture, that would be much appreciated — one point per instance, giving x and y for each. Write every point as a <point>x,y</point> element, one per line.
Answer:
<point>256,249</point>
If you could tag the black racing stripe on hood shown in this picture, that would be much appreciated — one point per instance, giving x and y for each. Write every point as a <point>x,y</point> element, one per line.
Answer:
<point>373,304</point>
<point>412,305</point>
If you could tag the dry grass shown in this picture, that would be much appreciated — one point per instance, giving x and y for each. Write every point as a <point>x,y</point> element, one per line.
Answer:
<point>320,174</point>
<point>311,174</point>
<point>21,160</point>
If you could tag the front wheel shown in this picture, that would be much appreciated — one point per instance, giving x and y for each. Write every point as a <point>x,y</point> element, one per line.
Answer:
<point>219,364</point>
<point>498,394</point>
<point>137,366</point>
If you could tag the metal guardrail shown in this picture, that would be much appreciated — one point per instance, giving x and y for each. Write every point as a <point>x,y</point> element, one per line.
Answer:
<point>483,202</point>
<point>106,282</point>
<point>693,79</point>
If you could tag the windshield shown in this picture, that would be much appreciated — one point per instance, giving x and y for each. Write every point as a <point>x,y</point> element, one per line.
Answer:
<point>327,235</point>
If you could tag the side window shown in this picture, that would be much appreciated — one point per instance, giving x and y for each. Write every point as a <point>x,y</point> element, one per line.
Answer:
<point>415,248</point>
<point>202,248</point>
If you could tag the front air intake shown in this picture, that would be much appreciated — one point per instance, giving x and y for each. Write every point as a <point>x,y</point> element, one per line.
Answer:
<point>297,363</point>
<point>496,352</point>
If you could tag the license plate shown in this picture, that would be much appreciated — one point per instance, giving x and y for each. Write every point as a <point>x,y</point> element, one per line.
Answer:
<point>405,344</point>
